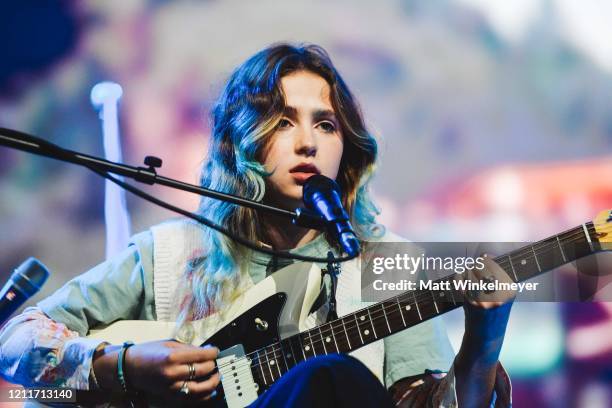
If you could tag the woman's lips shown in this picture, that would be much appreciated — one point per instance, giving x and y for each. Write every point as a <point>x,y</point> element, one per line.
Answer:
<point>300,177</point>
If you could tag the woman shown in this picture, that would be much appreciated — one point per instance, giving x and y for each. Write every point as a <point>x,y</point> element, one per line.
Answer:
<point>284,115</point>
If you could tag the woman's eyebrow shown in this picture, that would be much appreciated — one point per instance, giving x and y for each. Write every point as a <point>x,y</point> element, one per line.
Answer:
<point>290,112</point>
<point>318,114</point>
<point>324,114</point>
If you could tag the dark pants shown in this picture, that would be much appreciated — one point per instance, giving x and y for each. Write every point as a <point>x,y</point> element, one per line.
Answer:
<point>335,380</point>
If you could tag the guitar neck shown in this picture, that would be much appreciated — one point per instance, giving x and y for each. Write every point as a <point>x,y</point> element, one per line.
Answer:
<point>395,314</point>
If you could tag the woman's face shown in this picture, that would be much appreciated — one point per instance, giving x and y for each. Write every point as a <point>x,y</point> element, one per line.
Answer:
<point>307,141</point>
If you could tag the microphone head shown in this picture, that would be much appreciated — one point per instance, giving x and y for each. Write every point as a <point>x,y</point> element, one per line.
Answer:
<point>105,92</point>
<point>30,276</point>
<point>322,195</point>
<point>318,184</point>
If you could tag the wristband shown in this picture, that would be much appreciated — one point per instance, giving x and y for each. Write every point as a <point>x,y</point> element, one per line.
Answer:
<point>121,363</point>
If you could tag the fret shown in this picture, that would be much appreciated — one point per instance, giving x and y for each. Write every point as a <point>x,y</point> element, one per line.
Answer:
<point>275,361</point>
<point>299,337</point>
<point>371,324</point>
<point>446,299</point>
<point>561,249</point>
<point>269,366</point>
<point>253,363</point>
<point>452,290</point>
<point>322,340</point>
<point>309,348</point>
<point>549,253</point>
<point>429,307</point>
<point>394,315</point>
<point>417,306</point>
<point>575,244</point>
<point>409,311</point>
<point>524,264</point>
<point>358,329</point>
<point>386,318</point>
<point>318,344</point>
<point>366,332</point>
<point>260,363</point>
<point>593,237</point>
<point>516,279</point>
<point>334,337</point>
<point>588,236</point>
<point>295,342</point>
<point>536,258</point>
<point>348,340</point>
<point>433,298</point>
<point>378,322</point>
<point>291,354</point>
<point>313,343</point>
<point>400,310</point>
<point>327,339</point>
<point>282,352</point>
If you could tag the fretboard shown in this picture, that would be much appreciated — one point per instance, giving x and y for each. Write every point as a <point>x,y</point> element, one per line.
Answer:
<point>395,314</point>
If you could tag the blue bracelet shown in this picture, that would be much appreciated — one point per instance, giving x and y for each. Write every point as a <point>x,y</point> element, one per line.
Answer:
<point>121,362</point>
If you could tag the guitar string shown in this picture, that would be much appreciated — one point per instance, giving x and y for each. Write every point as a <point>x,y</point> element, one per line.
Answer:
<point>576,236</point>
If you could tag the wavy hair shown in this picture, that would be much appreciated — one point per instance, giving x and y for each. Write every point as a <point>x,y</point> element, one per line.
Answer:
<point>244,118</point>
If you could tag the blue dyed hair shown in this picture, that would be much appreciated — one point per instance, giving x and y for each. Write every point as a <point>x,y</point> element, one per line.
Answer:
<point>243,120</point>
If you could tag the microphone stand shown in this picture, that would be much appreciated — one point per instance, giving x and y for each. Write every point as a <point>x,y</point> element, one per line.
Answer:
<point>28,143</point>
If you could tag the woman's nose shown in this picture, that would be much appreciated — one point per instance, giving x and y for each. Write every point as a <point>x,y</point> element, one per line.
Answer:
<point>306,142</point>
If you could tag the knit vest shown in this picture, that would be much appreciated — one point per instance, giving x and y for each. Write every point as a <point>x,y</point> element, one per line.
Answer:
<point>176,242</point>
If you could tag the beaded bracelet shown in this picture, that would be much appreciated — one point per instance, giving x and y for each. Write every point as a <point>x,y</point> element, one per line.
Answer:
<point>121,363</point>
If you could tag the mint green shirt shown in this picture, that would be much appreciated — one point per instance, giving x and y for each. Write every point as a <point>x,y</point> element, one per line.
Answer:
<point>122,289</point>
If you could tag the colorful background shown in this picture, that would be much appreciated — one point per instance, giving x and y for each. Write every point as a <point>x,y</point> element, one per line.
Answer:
<point>495,121</point>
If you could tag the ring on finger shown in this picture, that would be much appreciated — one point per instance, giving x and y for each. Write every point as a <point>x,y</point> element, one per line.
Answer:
<point>192,371</point>
<point>184,389</point>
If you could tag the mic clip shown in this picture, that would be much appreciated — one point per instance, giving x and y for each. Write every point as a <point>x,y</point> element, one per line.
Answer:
<point>309,219</point>
<point>148,174</point>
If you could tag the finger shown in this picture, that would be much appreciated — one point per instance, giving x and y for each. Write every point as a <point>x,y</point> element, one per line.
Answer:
<point>492,283</point>
<point>201,369</point>
<point>485,305</point>
<point>180,372</point>
<point>204,388</point>
<point>197,389</point>
<point>192,354</point>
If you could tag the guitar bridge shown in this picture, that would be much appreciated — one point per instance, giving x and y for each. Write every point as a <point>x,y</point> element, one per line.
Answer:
<point>236,377</point>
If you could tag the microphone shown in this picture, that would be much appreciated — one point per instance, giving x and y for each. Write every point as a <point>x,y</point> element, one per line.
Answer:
<point>27,279</point>
<point>322,195</point>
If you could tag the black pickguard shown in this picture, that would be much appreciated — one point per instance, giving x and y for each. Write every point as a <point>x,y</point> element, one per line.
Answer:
<point>248,330</point>
<point>245,330</point>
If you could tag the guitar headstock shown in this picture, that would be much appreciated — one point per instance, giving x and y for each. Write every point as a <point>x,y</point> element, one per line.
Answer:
<point>603,229</point>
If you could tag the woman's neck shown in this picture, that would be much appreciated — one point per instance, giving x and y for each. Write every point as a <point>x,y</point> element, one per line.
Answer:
<point>282,234</point>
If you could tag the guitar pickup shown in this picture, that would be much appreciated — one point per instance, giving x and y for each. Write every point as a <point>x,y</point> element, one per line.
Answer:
<point>239,387</point>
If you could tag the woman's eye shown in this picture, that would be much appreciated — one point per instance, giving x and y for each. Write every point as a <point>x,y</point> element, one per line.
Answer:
<point>328,127</point>
<point>284,123</point>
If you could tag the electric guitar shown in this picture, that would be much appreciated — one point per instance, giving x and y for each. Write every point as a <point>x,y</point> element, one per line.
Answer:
<point>262,335</point>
